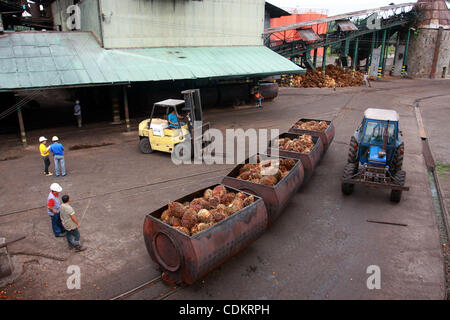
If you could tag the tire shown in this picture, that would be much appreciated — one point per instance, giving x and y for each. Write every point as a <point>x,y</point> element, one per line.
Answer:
<point>397,162</point>
<point>144,145</point>
<point>349,171</point>
<point>398,178</point>
<point>353,151</point>
<point>396,196</point>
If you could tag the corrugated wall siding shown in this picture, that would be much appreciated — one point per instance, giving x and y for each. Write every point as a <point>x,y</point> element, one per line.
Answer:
<point>163,23</point>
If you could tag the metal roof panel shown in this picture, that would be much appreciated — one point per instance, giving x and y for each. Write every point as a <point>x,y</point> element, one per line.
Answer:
<point>48,59</point>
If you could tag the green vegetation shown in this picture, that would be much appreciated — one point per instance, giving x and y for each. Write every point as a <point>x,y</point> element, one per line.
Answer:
<point>442,168</point>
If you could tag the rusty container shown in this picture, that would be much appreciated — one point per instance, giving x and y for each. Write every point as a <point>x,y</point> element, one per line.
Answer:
<point>275,197</point>
<point>309,161</point>
<point>326,136</point>
<point>185,259</point>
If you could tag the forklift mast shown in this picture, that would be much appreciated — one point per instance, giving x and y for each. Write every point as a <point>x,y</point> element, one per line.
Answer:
<point>193,104</point>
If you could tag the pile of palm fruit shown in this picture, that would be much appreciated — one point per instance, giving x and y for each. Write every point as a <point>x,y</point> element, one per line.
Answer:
<point>303,144</point>
<point>311,125</point>
<point>202,213</point>
<point>334,77</point>
<point>267,172</point>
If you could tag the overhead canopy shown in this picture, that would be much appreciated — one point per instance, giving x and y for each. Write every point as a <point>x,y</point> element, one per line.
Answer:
<point>32,60</point>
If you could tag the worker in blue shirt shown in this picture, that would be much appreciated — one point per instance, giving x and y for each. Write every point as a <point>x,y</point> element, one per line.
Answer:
<point>173,120</point>
<point>58,156</point>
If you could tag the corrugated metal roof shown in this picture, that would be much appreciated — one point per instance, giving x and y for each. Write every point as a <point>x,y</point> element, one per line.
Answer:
<point>50,59</point>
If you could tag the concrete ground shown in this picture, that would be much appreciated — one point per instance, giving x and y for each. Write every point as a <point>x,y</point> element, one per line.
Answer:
<point>320,248</point>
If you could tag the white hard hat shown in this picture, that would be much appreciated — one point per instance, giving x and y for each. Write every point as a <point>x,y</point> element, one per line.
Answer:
<point>78,101</point>
<point>42,139</point>
<point>55,187</point>
<point>55,138</point>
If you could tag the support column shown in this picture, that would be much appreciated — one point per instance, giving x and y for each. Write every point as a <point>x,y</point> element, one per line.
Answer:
<point>2,29</point>
<point>115,106</point>
<point>22,127</point>
<point>324,58</point>
<point>372,46</point>
<point>397,42</point>
<point>315,58</point>
<point>406,52</point>
<point>436,53</point>
<point>125,106</point>
<point>380,65</point>
<point>355,54</point>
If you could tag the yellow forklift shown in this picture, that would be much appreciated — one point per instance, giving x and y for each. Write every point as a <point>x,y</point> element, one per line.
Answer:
<point>155,133</point>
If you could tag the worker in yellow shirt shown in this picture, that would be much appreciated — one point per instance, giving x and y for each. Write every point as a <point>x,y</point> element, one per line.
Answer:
<point>44,154</point>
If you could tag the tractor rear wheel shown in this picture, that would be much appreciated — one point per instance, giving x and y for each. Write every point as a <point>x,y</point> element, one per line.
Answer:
<point>349,171</point>
<point>398,178</point>
<point>144,145</point>
<point>397,162</point>
<point>353,151</point>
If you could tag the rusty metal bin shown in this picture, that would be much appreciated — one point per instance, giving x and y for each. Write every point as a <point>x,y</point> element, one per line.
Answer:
<point>185,259</point>
<point>275,197</point>
<point>309,160</point>
<point>326,136</point>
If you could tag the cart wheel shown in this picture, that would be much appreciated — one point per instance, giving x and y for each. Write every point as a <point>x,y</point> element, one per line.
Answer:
<point>144,145</point>
<point>396,196</point>
<point>349,171</point>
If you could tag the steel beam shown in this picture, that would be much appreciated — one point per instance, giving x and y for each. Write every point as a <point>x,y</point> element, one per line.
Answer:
<point>380,66</point>
<point>436,53</point>
<point>406,52</point>
<point>125,106</point>
<point>324,58</point>
<point>22,127</point>
<point>355,54</point>
<point>334,18</point>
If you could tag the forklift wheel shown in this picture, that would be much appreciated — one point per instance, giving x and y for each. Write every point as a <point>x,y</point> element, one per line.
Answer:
<point>144,146</point>
<point>396,196</point>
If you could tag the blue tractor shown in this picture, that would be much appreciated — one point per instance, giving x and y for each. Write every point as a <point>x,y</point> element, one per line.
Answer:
<point>375,156</point>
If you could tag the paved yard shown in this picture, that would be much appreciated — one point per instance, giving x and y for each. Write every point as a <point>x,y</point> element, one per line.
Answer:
<point>319,248</point>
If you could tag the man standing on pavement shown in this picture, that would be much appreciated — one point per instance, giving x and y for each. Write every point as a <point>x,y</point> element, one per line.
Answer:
<point>53,210</point>
<point>77,112</point>
<point>71,224</point>
<point>58,156</point>
<point>258,97</point>
<point>44,154</point>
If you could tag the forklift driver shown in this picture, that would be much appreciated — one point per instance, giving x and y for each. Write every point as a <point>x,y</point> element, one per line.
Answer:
<point>173,120</point>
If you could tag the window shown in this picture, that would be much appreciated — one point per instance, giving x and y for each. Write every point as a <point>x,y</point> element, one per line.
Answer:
<point>375,133</point>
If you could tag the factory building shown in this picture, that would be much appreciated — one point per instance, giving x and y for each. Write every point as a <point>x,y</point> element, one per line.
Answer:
<point>118,57</point>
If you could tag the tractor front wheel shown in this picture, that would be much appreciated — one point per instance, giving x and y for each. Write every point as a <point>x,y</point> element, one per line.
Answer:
<point>349,171</point>
<point>144,146</point>
<point>398,178</point>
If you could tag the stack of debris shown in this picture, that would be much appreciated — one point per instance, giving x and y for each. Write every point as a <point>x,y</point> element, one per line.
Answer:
<point>334,77</point>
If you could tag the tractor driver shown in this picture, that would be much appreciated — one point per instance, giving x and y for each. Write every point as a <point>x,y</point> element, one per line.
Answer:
<point>173,120</point>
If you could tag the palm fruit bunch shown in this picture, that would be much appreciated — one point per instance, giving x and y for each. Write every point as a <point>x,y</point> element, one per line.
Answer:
<point>303,144</point>
<point>267,172</point>
<point>201,213</point>
<point>311,125</point>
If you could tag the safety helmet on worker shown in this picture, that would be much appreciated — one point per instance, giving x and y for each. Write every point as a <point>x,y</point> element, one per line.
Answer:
<point>55,138</point>
<point>78,101</point>
<point>41,139</point>
<point>55,187</point>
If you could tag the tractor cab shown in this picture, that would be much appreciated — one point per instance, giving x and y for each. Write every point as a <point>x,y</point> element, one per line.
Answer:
<point>378,136</point>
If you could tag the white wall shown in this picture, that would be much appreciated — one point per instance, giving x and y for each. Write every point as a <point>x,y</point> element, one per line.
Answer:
<point>172,23</point>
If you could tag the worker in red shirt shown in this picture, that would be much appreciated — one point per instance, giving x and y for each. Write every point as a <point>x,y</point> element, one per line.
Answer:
<point>258,98</point>
<point>53,208</point>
